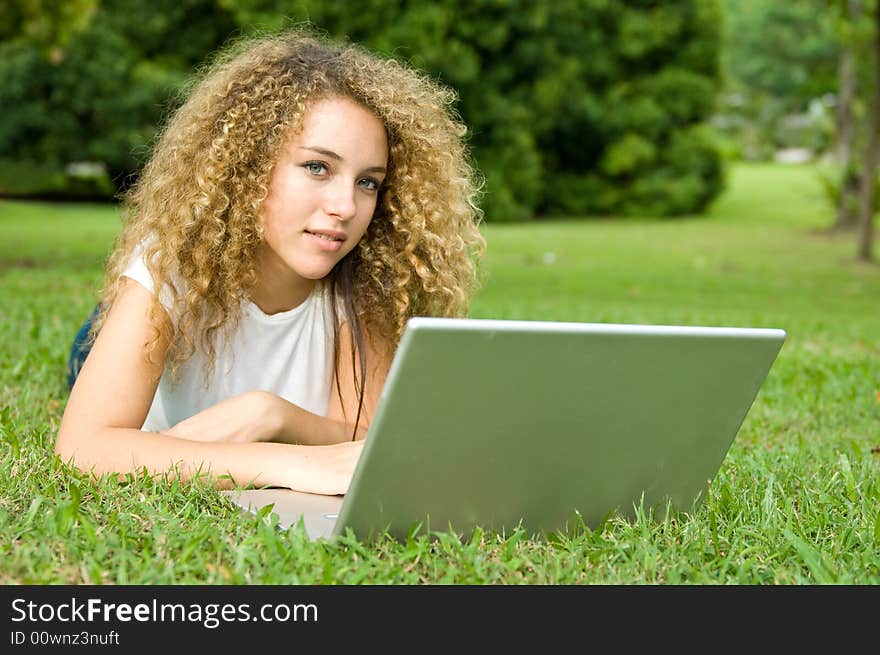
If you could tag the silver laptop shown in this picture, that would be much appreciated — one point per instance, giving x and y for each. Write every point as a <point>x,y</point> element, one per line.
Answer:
<point>541,426</point>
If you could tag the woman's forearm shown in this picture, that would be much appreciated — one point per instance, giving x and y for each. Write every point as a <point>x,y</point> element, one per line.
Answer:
<point>299,426</point>
<point>126,450</point>
<point>256,416</point>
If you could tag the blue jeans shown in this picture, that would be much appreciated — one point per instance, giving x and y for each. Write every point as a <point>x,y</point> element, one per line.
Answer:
<point>80,349</point>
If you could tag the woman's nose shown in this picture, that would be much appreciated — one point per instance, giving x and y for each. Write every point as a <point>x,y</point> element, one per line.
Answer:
<point>340,199</point>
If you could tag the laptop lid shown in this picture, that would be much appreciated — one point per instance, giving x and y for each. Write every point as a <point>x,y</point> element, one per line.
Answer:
<point>543,424</point>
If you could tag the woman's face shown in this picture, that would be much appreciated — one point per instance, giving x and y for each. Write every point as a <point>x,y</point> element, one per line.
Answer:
<point>322,194</point>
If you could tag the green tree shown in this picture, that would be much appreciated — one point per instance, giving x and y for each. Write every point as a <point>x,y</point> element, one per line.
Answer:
<point>575,106</point>
<point>850,18</point>
<point>778,59</point>
<point>46,24</point>
<point>98,93</point>
<point>868,196</point>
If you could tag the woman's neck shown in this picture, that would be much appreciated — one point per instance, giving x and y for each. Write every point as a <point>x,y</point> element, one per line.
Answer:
<point>279,289</point>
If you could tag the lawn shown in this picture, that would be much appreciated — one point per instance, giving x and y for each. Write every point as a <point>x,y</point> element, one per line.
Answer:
<point>797,500</point>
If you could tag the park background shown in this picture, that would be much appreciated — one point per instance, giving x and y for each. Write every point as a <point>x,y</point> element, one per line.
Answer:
<point>664,162</point>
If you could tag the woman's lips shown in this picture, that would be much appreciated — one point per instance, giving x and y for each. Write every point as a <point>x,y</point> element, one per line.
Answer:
<point>329,241</point>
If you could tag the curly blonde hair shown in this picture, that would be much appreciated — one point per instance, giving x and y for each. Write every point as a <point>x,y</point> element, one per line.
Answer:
<point>197,205</point>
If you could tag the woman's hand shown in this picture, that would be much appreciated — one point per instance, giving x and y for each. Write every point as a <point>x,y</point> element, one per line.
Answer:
<point>245,418</point>
<point>259,416</point>
<point>324,469</point>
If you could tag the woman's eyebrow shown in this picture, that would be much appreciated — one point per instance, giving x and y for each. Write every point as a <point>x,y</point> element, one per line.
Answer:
<point>336,157</point>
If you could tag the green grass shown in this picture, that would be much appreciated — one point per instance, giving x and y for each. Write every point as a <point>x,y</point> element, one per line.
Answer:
<point>797,500</point>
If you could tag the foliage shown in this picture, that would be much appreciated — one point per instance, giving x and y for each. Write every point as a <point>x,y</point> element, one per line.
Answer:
<point>100,94</point>
<point>780,75</point>
<point>46,24</point>
<point>574,105</point>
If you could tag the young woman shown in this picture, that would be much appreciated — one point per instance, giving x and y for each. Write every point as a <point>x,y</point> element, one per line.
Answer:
<point>304,202</point>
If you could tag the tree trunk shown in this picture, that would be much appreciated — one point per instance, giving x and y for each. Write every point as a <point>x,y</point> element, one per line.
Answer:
<point>869,173</point>
<point>848,200</point>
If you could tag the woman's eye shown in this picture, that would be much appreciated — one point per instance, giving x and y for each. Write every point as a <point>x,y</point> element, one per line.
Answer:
<point>369,183</point>
<point>315,167</point>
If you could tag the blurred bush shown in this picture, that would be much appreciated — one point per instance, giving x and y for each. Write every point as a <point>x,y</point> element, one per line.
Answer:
<point>780,67</point>
<point>82,104</point>
<point>574,106</point>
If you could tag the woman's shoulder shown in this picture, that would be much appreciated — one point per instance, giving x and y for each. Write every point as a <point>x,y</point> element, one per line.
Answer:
<point>137,269</point>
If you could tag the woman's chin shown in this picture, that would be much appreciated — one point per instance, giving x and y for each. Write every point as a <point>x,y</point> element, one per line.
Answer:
<point>315,271</point>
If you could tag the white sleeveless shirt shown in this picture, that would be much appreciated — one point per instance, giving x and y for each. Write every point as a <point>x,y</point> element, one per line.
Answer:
<point>289,354</point>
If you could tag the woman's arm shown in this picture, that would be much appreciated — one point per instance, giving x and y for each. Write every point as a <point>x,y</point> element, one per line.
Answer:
<point>100,432</point>
<point>264,416</point>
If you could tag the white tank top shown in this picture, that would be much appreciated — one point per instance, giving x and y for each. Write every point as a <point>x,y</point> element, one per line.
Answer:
<point>289,354</point>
